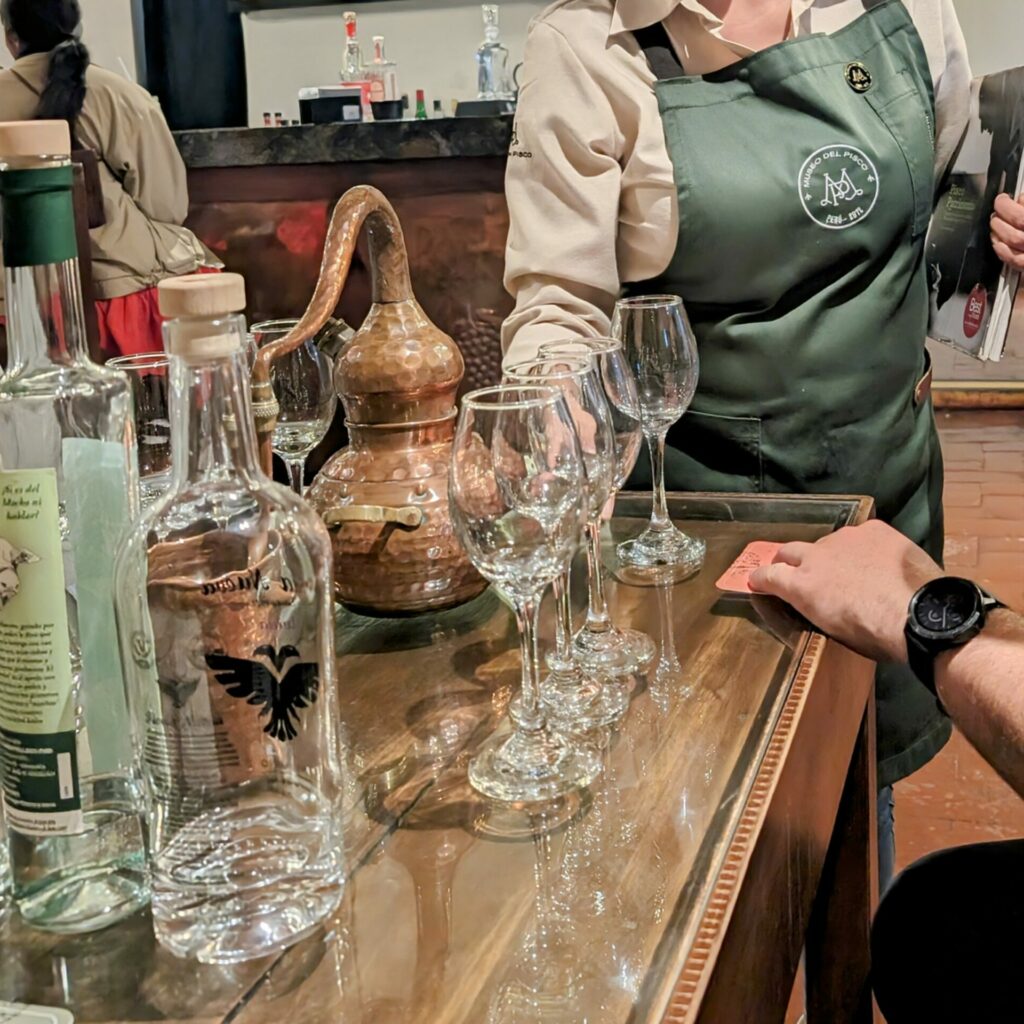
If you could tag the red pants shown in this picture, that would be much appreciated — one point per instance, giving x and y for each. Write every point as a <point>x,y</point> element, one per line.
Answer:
<point>132,324</point>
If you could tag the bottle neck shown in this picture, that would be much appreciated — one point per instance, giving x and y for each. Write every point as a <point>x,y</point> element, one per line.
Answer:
<point>45,321</point>
<point>212,430</point>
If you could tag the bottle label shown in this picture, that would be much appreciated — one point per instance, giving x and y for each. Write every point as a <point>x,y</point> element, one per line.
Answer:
<point>38,760</point>
<point>38,216</point>
<point>96,496</point>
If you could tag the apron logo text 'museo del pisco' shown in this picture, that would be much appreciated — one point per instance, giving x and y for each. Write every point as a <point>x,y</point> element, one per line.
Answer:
<point>838,186</point>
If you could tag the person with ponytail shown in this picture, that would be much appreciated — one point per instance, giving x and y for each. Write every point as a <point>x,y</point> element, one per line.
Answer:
<point>145,199</point>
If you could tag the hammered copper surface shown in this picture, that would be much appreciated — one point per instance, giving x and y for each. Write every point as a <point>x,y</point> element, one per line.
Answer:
<point>397,378</point>
<point>389,567</point>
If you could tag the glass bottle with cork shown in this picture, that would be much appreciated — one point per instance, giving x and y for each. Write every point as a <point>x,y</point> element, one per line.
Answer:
<point>226,623</point>
<point>352,67</point>
<point>382,74</point>
<point>67,492</point>
<point>493,79</point>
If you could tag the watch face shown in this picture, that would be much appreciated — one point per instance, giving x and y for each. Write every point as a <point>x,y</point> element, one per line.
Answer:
<point>947,607</point>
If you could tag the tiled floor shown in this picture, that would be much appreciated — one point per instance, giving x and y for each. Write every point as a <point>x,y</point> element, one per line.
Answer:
<point>958,798</point>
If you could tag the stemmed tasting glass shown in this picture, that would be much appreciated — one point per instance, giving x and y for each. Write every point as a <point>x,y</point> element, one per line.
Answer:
<point>303,382</point>
<point>576,699</point>
<point>516,486</point>
<point>660,346</point>
<point>148,374</point>
<point>600,646</point>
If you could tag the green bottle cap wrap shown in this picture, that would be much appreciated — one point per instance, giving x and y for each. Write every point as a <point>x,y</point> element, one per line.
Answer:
<point>38,216</point>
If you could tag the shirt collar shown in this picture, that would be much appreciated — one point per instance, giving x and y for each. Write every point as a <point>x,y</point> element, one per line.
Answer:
<point>32,60</point>
<point>630,15</point>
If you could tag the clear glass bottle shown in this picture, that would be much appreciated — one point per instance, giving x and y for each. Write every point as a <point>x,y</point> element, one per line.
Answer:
<point>352,69</point>
<point>226,627</point>
<point>67,493</point>
<point>493,79</point>
<point>5,859</point>
<point>381,73</point>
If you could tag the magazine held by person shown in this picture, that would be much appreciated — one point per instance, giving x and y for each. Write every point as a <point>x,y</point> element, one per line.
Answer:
<point>972,291</point>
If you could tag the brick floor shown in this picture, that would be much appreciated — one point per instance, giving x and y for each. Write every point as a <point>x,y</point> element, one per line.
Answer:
<point>957,798</point>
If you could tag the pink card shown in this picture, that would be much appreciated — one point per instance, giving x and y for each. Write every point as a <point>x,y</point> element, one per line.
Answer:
<point>736,579</point>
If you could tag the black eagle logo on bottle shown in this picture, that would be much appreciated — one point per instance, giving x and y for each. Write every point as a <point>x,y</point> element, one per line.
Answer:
<point>279,695</point>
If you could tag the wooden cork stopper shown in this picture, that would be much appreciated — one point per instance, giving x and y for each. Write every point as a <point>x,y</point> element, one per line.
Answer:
<point>209,295</point>
<point>34,138</point>
<point>204,297</point>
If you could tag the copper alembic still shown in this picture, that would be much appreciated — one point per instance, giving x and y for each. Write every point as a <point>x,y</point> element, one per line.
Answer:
<point>384,497</point>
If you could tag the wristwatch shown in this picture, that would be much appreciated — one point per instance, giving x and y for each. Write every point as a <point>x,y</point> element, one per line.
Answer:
<point>943,614</point>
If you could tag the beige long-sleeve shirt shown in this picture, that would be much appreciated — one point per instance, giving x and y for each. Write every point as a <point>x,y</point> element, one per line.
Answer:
<point>590,187</point>
<point>145,197</point>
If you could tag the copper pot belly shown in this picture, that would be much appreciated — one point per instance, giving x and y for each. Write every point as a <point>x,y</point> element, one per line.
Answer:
<point>385,501</point>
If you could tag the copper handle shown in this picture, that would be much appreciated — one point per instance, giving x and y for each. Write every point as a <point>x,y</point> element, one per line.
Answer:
<point>389,266</point>
<point>408,516</point>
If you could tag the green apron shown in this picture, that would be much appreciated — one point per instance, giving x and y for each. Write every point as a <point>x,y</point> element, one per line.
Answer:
<point>805,179</point>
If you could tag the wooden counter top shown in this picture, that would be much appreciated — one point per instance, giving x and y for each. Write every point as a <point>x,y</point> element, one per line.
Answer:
<point>640,902</point>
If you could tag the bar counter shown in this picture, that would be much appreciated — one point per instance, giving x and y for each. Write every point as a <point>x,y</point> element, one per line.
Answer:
<point>682,887</point>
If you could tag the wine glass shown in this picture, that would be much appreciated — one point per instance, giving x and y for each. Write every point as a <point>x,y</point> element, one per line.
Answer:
<point>148,374</point>
<point>659,345</point>
<point>576,699</point>
<point>601,646</point>
<point>515,487</point>
<point>303,382</point>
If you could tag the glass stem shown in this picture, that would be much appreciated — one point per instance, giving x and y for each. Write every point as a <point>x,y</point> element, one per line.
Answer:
<point>598,620</point>
<point>563,620</point>
<point>529,717</point>
<point>659,512</point>
<point>296,472</point>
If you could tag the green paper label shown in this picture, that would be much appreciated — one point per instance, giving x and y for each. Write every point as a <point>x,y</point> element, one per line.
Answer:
<point>96,494</point>
<point>38,216</point>
<point>37,723</point>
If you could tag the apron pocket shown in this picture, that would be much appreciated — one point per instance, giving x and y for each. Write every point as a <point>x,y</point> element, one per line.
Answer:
<point>909,118</point>
<point>715,453</point>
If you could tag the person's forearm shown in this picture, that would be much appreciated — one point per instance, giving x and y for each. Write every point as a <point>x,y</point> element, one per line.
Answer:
<point>982,688</point>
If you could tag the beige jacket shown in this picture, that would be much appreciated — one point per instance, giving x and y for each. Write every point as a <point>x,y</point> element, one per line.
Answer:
<point>590,187</point>
<point>145,197</point>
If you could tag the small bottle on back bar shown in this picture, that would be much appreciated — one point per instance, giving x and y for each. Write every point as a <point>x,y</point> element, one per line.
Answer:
<point>421,105</point>
<point>67,492</point>
<point>226,627</point>
<point>382,73</point>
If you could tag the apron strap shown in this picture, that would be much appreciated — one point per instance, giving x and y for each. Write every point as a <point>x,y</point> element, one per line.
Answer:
<point>659,51</point>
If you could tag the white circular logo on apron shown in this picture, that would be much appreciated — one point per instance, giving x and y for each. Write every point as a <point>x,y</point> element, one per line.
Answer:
<point>838,186</point>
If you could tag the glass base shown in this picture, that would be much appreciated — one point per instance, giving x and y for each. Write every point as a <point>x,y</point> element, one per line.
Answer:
<point>614,652</point>
<point>670,554</point>
<point>528,767</point>
<point>247,925</point>
<point>89,880</point>
<point>238,882</point>
<point>583,705</point>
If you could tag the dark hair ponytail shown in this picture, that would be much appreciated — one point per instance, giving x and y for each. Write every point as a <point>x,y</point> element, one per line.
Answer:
<point>52,26</point>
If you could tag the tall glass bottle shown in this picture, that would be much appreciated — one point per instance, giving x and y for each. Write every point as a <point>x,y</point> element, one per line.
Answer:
<point>225,619</point>
<point>67,492</point>
<point>352,69</point>
<point>494,80</point>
